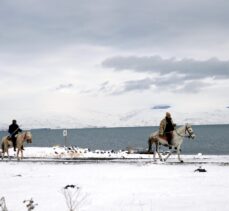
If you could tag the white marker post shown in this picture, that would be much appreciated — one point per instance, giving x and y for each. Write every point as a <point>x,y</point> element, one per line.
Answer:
<point>65,134</point>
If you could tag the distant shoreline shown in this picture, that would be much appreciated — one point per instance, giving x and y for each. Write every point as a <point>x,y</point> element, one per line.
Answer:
<point>95,127</point>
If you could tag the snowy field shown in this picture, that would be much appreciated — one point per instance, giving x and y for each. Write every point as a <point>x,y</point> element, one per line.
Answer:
<point>115,181</point>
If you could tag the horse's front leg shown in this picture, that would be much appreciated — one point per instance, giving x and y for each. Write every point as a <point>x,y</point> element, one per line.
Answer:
<point>21,154</point>
<point>169,154</point>
<point>178,154</point>
<point>18,150</point>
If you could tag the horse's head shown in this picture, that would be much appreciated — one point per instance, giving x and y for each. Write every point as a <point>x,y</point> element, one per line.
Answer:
<point>28,137</point>
<point>189,130</point>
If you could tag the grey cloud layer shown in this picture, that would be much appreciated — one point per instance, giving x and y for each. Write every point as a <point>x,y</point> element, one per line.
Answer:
<point>176,75</point>
<point>37,25</point>
<point>171,83</point>
<point>189,67</point>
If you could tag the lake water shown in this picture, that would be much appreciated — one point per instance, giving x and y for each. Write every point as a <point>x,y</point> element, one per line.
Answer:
<point>210,139</point>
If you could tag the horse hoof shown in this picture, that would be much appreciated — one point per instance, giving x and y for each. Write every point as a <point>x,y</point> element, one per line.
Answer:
<point>182,161</point>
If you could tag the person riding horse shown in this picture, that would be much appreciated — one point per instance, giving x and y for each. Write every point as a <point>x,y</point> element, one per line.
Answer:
<point>167,127</point>
<point>14,130</point>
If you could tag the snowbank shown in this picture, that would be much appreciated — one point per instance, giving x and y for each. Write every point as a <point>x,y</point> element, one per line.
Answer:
<point>58,153</point>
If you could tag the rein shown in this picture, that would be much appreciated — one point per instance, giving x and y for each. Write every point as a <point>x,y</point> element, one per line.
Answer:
<point>25,136</point>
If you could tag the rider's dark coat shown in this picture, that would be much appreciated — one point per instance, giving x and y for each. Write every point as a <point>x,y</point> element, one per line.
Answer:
<point>14,129</point>
<point>163,125</point>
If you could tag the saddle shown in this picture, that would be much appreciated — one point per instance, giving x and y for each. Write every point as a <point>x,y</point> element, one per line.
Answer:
<point>165,138</point>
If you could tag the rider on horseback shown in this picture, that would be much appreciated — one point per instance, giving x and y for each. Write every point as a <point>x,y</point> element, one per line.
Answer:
<point>166,127</point>
<point>14,130</point>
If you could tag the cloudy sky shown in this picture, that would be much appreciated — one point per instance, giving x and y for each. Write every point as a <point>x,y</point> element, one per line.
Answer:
<point>112,57</point>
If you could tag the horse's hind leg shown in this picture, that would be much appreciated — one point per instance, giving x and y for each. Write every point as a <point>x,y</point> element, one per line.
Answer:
<point>154,154</point>
<point>3,154</point>
<point>3,150</point>
<point>8,155</point>
<point>159,155</point>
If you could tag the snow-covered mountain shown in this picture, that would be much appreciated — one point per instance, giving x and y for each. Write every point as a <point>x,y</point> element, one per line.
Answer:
<point>144,117</point>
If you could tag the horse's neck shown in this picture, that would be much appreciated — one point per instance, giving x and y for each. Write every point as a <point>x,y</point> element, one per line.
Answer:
<point>181,131</point>
<point>21,135</point>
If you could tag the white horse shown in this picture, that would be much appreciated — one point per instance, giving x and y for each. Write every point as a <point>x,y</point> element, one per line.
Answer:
<point>178,135</point>
<point>21,138</point>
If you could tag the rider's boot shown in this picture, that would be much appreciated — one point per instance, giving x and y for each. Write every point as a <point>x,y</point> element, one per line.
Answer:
<point>170,144</point>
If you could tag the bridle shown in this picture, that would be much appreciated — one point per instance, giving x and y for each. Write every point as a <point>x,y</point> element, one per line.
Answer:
<point>186,130</point>
<point>26,138</point>
<point>190,133</point>
<point>25,135</point>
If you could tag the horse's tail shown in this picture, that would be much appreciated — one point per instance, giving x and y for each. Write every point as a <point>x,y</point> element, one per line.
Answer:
<point>3,149</point>
<point>152,139</point>
<point>150,143</point>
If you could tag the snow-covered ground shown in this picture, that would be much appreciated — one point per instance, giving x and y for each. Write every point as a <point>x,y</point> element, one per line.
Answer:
<point>138,184</point>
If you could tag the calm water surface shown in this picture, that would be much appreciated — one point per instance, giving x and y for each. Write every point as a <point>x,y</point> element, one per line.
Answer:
<point>210,139</point>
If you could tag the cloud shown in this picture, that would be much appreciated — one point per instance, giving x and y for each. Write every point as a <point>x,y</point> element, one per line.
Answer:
<point>193,86</point>
<point>104,87</point>
<point>135,85</point>
<point>167,83</point>
<point>190,68</point>
<point>185,75</point>
<point>64,86</point>
<point>35,26</point>
<point>161,107</point>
